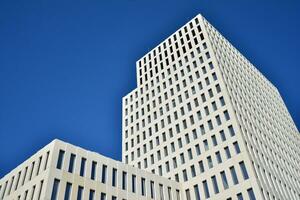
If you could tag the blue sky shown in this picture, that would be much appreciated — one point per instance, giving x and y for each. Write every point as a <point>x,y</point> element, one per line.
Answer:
<point>65,65</point>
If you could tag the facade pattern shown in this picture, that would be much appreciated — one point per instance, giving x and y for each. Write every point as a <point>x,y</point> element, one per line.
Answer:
<point>203,123</point>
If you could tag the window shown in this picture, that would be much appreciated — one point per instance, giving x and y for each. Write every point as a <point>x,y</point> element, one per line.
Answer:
<point>104,172</point>
<point>215,184</point>
<point>92,195</point>
<point>239,196</point>
<point>71,163</point>
<point>79,192</point>
<point>251,194</point>
<point>224,179</point>
<point>113,198</point>
<point>82,166</point>
<point>68,191</point>
<point>222,135</point>
<point>152,189</point>
<point>201,166</point>
<point>54,189</point>
<point>227,152</point>
<point>133,183</point>
<point>234,176</point>
<point>143,185</point>
<point>185,178</point>
<point>236,147</point>
<point>114,177</point>
<point>197,193</point>
<point>188,195</point>
<point>124,180</point>
<point>93,171</point>
<point>60,159</point>
<point>218,156</point>
<point>244,170</point>
<point>231,131</point>
<point>209,162</point>
<point>206,190</point>
<point>226,114</point>
<point>161,192</point>
<point>102,196</point>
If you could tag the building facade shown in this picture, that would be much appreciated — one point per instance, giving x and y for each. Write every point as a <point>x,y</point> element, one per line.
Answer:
<point>203,123</point>
<point>204,116</point>
<point>64,171</point>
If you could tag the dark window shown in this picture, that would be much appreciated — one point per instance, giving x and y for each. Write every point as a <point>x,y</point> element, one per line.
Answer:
<point>197,193</point>
<point>93,171</point>
<point>79,193</point>
<point>224,180</point>
<point>234,176</point>
<point>114,177</point>
<point>103,178</point>
<point>206,190</point>
<point>82,166</point>
<point>60,159</point>
<point>55,189</point>
<point>92,195</point>
<point>71,163</point>
<point>244,170</point>
<point>143,186</point>
<point>251,194</point>
<point>215,184</point>
<point>103,196</point>
<point>68,191</point>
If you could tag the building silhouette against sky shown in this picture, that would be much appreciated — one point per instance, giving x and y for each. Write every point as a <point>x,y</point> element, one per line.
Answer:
<point>203,123</point>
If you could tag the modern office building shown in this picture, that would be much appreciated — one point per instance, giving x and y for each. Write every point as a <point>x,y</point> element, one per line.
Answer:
<point>204,116</point>
<point>203,123</point>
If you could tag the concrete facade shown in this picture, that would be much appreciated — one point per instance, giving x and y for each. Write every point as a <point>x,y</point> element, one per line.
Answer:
<point>203,123</point>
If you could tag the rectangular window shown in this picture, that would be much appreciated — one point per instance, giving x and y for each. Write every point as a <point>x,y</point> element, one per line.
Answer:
<point>224,179</point>
<point>215,184</point>
<point>104,172</point>
<point>71,163</point>
<point>93,171</point>
<point>92,195</point>
<point>218,156</point>
<point>133,183</point>
<point>239,196</point>
<point>114,177</point>
<point>152,189</point>
<point>206,190</point>
<point>82,166</point>
<point>251,194</point>
<point>102,196</point>
<point>68,191</point>
<point>55,189</point>
<point>233,175</point>
<point>60,159</point>
<point>79,193</point>
<point>143,186</point>
<point>227,152</point>
<point>161,192</point>
<point>244,170</point>
<point>197,193</point>
<point>236,147</point>
<point>231,131</point>
<point>188,195</point>
<point>124,180</point>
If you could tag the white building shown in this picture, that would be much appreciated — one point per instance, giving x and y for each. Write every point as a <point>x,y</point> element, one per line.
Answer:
<point>64,171</point>
<point>204,116</point>
<point>203,123</point>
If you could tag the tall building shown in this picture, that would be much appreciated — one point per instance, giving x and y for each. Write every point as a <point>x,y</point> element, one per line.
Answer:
<point>203,123</point>
<point>204,116</point>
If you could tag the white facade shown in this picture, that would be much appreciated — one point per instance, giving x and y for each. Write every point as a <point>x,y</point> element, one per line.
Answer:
<point>202,112</point>
<point>64,171</point>
<point>203,123</point>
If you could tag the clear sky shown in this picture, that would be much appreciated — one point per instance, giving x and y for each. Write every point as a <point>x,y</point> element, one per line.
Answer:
<point>65,64</point>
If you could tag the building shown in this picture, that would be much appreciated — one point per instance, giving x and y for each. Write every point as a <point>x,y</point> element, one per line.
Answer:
<point>203,123</point>
<point>64,171</point>
<point>204,116</point>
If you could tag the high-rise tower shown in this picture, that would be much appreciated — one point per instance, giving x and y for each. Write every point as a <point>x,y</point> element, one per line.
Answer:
<point>204,116</point>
